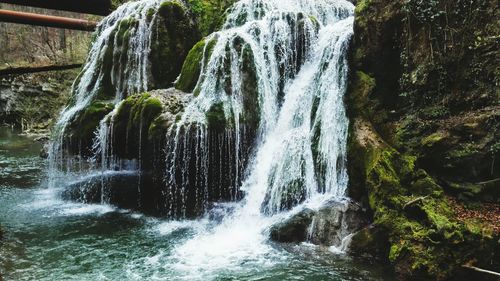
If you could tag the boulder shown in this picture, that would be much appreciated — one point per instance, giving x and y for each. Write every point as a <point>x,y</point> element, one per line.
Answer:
<point>328,225</point>
<point>294,229</point>
<point>118,188</point>
<point>334,221</point>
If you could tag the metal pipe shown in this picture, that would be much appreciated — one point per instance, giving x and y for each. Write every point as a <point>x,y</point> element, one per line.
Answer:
<point>44,20</point>
<point>95,7</point>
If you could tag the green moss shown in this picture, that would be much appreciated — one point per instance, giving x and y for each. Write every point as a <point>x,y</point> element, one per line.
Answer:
<point>425,185</point>
<point>360,88</point>
<point>150,14</point>
<point>433,139</point>
<point>216,118</point>
<point>420,231</point>
<point>191,68</point>
<point>362,5</point>
<point>158,128</point>
<point>115,54</point>
<point>132,122</point>
<point>86,124</point>
<point>210,14</point>
<point>174,36</point>
<point>464,151</point>
<point>123,32</point>
<point>395,251</point>
<point>314,21</point>
<point>251,111</point>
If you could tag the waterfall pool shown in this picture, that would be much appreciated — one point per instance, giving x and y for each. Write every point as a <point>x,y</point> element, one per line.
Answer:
<point>46,238</point>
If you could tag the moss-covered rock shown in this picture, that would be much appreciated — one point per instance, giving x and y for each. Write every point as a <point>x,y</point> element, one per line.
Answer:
<point>420,132</point>
<point>174,35</point>
<point>142,120</point>
<point>80,132</point>
<point>424,234</point>
<point>191,68</point>
<point>209,14</point>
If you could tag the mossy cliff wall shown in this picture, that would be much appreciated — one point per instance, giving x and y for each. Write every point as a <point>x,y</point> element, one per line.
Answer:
<point>424,109</point>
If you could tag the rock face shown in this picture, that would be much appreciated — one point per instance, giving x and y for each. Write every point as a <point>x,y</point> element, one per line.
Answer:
<point>118,188</point>
<point>335,221</point>
<point>294,229</point>
<point>22,97</point>
<point>328,225</point>
<point>423,102</point>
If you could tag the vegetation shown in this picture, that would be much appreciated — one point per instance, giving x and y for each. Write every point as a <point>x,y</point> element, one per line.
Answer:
<point>421,133</point>
<point>423,104</point>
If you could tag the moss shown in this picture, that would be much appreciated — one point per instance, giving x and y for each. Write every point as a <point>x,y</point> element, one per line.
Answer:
<point>464,151</point>
<point>106,89</point>
<point>425,185</point>
<point>360,86</point>
<point>81,131</point>
<point>210,14</point>
<point>191,68</point>
<point>362,5</point>
<point>150,14</point>
<point>414,230</point>
<point>216,118</point>
<point>158,128</point>
<point>314,21</point>
<point>394,252</point>
<point>423,104</point>
<point>132,122</point>
<point>251,110</point>
<point>433,139</point>
<point>175,35</point>
<point>115,53</point>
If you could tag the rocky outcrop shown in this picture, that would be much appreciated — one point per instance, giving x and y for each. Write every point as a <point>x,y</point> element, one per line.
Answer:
<point>209,14</point>
<point>294,229</point>
<point>423,104</point>
<point>327,226</point>
<point>31,101</point>
<point>335,221</point>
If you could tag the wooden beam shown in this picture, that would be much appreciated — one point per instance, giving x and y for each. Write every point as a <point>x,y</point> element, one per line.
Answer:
<point>95,7</point>
<point>34,69</point>
<point>44,20</point>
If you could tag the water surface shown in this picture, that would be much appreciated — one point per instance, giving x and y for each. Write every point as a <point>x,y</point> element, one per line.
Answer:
<point>50,239</point>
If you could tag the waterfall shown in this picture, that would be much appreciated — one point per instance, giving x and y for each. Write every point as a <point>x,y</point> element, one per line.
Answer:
<point>117,65</point>
<point>251,64</point>
<point>263,134</point>
<point>299,157</point>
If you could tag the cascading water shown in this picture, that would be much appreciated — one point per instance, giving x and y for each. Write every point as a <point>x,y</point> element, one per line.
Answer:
<point>300,148</point>
<point>260,49</point>
<point>267,125</point>
<point>117,65</point>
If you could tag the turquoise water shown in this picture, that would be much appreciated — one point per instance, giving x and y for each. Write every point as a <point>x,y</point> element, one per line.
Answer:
<point>49,239</point>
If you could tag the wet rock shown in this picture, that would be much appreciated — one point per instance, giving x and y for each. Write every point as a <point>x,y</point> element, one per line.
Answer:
<point>422,127</point>
<point>329,225</point>
<point>294,229</point>
<point>334,221</point>
<point>209,14</point>
<point>371,242</point>
<point>118,188</point>
<point>174,35</point>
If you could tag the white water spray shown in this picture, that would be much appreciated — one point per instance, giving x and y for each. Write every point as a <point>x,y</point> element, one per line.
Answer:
<point>301,149</point>
<point>118,57</point>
